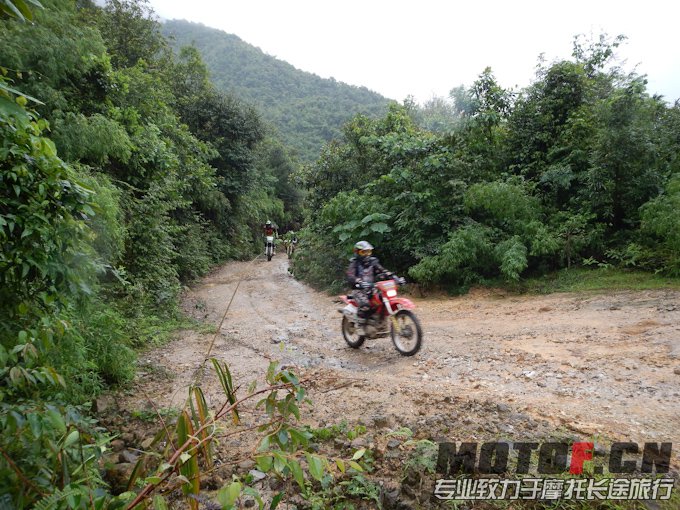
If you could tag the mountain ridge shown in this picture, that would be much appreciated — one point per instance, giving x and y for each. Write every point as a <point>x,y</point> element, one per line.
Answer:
<point>307,110</point>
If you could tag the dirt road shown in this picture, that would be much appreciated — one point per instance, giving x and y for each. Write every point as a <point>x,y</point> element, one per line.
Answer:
<point>493,366</point>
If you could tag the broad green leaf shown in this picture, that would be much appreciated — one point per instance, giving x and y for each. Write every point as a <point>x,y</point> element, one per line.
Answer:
<point>341,465</point>
<point>71,439</point>
<point>159,503</point>
<point>355,466</point>
<point>264,462</point>
<point>164,467</point>
<point>8,108</point>
<point>57,420</point>
<point>9,7</point>
<point>296,470</point>
<point>264,444</point>
<point>358,454</point>
<point>275,501</point>
<point>316,467</point>
<point>228,494</point>
<point>380,228</point>
<point>21,5</point>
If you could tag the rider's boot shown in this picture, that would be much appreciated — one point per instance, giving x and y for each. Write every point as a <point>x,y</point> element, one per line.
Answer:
<point>362,317</point>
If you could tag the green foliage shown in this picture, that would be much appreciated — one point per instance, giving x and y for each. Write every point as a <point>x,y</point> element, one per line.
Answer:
<point>93,140</point>
<point>54,453</point>
<point>104,334</point>
<point>597,279</point>
<point>500,203</point>
<point>468,252</point>
<point>360,487</point>
<point>49,450</point>
<point>570,169</point>
<point>512,255</point>
<point>95,245</point>
<point>131,32</point>
<point>43,261</point>
<point>150,252</point>
<point>108,224</point>
<point>422,457</point>
<point>284,451</point>
<point>660,220</point>
<point>41,234</point>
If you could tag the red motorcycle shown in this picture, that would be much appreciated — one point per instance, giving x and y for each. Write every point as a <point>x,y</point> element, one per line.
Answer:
<point>390,315</point>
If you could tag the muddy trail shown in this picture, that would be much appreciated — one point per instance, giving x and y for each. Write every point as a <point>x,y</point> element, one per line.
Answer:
<point>493,366</point>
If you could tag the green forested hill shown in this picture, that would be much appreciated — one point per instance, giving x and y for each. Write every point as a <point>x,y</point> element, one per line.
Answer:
<point>308,110</point>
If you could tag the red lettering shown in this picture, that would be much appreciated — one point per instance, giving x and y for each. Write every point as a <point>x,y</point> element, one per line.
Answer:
<point>580,452</point>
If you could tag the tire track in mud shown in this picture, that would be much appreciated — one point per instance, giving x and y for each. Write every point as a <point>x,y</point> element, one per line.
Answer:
<point>590,364</point>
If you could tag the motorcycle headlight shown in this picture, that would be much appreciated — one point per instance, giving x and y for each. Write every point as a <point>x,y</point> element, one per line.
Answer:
<point>391,293</point>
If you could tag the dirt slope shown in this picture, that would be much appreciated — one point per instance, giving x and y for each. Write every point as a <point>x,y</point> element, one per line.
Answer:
<point>493,366</point>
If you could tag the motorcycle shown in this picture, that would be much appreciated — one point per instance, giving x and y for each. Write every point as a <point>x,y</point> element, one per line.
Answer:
<point>391,315</point>
<point>269,247</point>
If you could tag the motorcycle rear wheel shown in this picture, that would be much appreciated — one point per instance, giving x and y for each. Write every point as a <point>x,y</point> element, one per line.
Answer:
<point>349,333</point>
<point>410,336</point>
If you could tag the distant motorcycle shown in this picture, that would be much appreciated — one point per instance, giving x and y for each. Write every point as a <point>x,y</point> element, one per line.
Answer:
<point>269,247</point>
<point>391,315</point>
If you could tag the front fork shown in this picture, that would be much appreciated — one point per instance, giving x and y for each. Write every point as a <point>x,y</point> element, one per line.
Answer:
<point>395,325</point>
<point>393,319</point>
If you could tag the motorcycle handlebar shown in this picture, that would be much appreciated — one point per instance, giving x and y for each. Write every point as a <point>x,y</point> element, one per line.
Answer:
<point>366,285</point>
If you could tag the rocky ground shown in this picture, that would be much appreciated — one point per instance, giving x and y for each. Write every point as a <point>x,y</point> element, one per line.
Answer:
<point>494,366</point>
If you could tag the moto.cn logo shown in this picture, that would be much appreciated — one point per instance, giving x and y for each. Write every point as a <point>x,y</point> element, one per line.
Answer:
<point>552,458</point>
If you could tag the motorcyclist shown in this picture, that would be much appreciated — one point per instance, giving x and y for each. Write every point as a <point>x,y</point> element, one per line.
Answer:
<point>362,272</point>
<point>269,230</point>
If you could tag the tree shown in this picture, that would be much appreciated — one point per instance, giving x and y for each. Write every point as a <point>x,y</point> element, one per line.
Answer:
<point>131,32</point>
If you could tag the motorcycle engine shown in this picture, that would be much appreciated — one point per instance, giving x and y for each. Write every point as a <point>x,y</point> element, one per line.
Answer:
<point>374,326</point>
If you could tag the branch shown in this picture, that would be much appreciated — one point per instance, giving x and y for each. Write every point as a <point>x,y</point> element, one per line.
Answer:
<point>21,474</point>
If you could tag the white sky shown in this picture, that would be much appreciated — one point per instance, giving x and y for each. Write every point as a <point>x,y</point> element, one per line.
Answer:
<point>427,47</point>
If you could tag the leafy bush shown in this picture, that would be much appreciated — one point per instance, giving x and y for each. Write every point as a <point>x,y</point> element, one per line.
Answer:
<point>49,450</point>
<point>50,456</point>
<point>660,219</point>
<point>468,252</point>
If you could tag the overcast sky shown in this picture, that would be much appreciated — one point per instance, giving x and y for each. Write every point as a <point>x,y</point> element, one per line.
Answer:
<point>427,47</point>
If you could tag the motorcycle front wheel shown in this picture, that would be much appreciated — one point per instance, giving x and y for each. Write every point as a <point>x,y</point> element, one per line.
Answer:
<point>350,334</point>
<point>407,336</point>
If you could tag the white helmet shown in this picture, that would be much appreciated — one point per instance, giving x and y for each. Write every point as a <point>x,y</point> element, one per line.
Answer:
<point>363,249</point>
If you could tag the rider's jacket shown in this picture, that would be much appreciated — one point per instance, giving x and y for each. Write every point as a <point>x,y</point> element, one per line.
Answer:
<point>365,269</point>
<point>268,231</point>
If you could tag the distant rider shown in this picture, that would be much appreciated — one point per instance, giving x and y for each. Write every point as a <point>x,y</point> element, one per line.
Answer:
<point>269,230</point>
<point>362,273</point>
